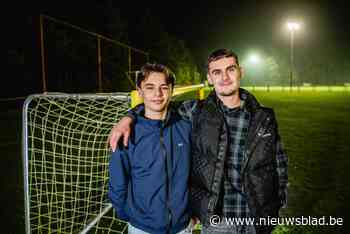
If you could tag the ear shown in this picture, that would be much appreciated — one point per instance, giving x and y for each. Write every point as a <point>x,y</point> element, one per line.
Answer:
<point>209,79</point>
<point>139,91</point>
<point>242,71</point>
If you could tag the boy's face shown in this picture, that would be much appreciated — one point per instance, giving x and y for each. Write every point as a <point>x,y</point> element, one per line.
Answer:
<point>225,75</point>
<point>156,93</point>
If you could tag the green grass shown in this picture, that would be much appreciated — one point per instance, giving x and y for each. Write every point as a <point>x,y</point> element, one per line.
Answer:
<point>315,130</point>
<point>301,88</point>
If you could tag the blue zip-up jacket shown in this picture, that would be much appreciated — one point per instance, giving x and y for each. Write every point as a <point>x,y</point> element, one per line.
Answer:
<point>148,184</point>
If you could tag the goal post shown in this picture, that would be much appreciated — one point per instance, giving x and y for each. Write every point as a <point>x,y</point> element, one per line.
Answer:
<point>65,158</point>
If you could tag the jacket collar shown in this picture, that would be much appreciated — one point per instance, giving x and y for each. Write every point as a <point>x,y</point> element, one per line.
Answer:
<point>171,117</point>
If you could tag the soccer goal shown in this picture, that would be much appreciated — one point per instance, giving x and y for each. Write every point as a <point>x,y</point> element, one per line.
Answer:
<point>66,158</point>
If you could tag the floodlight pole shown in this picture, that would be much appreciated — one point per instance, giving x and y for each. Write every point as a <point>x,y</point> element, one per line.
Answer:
<point>291,58</point>
<point>292,26</point>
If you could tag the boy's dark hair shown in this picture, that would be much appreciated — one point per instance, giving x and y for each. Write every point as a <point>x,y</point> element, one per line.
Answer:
<point>219,54</point>
<point>149,68</point>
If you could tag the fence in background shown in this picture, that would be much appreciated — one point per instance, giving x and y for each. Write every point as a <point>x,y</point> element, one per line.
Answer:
<point>71,56</point>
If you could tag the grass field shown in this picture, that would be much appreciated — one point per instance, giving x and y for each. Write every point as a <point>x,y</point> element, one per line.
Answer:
<point>315,129</point>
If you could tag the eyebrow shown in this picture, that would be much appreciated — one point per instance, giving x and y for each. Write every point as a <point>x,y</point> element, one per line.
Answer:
<point>151,84</point>
<point>231,66</point>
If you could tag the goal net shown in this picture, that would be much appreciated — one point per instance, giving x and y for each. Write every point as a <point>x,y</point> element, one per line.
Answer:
<point>66,162</point>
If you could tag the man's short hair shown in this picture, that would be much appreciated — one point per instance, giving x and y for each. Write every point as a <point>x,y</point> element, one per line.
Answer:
<point>219,54</point>
<point>149,68</point>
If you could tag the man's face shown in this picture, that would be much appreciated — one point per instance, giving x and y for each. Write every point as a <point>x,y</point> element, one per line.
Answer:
<point>225,75</point>
<point>155,92</point>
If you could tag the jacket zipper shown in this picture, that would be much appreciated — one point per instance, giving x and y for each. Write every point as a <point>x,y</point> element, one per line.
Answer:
<point>212,203</point>
<point>167,179</point>
<point>257,136</point>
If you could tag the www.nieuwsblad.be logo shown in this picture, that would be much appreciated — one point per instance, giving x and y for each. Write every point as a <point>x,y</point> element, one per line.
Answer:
<point>216,220</point>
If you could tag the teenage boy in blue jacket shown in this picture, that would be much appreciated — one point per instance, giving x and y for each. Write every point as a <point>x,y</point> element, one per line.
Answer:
<point>148,180</point>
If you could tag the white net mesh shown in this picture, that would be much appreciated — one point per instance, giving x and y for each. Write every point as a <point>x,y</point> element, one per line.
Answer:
<point>66,162</point>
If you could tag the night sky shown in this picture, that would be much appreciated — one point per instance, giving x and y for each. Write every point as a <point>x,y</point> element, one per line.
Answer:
<point>207,25</point>
<point>204,24</point>
<point>261,24</point>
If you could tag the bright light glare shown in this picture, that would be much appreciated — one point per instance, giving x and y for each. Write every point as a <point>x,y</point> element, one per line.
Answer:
<point>293,26</point>
<point>254,58</point>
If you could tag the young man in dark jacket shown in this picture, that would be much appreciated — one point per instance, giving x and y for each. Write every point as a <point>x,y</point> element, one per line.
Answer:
<point>239,168</point>
<point>148,184</point>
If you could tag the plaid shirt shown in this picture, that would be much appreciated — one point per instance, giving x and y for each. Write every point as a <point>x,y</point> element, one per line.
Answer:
<point>237,121</point>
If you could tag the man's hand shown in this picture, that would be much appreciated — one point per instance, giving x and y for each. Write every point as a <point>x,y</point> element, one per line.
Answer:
<point>194,222</point>
<point>120,129</point>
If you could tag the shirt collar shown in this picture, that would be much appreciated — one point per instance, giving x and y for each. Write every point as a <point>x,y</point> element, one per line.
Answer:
<point>228,110</point>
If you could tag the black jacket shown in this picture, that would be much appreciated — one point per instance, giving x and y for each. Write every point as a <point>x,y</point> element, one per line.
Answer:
<point>209,149</point>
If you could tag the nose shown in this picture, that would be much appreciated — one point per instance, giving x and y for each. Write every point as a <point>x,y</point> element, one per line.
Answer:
<point>225,76</point>
<point>159,92</point>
